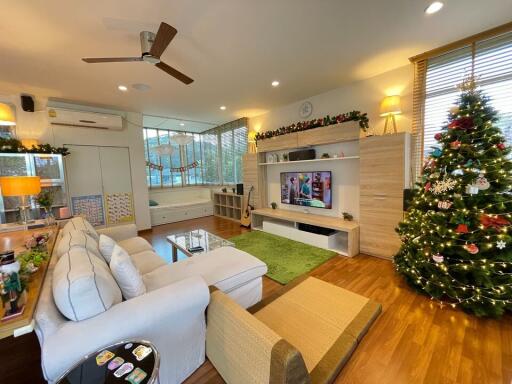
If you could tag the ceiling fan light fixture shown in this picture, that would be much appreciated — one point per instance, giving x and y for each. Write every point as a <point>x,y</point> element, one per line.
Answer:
<point>150,59</point>
<point>434,7</point>
<point>182,139</point>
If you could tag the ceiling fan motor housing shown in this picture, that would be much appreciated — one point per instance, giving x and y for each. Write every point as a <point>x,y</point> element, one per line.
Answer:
<point>146,42</point>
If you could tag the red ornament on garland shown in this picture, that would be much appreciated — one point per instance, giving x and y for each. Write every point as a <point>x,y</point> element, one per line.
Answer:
<point>495,222</point>
<point>462,228</point>
<point>501,146</point>
<point>472,248</point>
<point>438,136</point>
<point>455,144</point>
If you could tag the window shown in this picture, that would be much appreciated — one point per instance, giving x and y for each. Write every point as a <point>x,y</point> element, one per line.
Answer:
<point>218,153</point>
<point>490,61</point>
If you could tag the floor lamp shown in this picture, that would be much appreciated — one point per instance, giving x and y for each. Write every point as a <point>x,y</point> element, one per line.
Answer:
<point>389,108</point>
<point>22,187</point>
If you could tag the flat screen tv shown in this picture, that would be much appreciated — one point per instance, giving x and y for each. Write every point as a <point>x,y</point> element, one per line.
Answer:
<point>308,189</point>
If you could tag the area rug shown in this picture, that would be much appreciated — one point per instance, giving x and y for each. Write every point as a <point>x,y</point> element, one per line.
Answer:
<point>286,259</point>
<point>323,321</point>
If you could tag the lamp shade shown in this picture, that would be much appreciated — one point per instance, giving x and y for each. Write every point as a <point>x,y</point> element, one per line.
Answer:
<point>390,105</point>
<point>29,143</point>
<point>20,185</point>
<point>6,115</point>
<point>182,139</point>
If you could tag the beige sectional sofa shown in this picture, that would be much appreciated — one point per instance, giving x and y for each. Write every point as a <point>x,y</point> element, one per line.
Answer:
<point>81,308</point>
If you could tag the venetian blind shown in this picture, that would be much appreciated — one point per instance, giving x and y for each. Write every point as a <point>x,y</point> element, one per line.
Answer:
<point>436,91</point>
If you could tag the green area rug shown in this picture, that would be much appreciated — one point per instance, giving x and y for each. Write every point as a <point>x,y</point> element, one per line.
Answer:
<point>286,259</point>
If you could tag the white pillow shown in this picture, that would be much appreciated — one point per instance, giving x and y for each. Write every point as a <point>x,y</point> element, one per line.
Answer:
<point>76,239</point>
<point>106,246</point>
<point>83,286</point>
<point>126,274</point>
<point>80,224</point>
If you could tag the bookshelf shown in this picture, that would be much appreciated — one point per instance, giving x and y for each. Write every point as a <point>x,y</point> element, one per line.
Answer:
<point>227,205</point>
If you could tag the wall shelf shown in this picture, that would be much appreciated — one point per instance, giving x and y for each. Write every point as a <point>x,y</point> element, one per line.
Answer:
<point>227,205</point>
<point>313,160</point>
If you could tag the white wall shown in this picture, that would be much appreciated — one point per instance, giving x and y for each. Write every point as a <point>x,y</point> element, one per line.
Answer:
<point>36,126</point>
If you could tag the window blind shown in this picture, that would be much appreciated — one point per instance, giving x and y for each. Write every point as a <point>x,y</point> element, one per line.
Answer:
<point>490,61</point>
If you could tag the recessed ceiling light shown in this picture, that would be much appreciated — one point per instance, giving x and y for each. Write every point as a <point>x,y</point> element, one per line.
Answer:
<point>222,107</point>
<point>182,124</point>
<point>275,83</point>
<point>434,7</point>
<point>122,88</point>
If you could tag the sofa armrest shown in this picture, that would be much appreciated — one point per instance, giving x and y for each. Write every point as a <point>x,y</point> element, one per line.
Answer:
<point>245,350</point>
<point>120,232</point>
<point>166,317</point>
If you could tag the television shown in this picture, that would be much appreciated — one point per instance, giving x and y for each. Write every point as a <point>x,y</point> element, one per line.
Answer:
<point>307,189</point>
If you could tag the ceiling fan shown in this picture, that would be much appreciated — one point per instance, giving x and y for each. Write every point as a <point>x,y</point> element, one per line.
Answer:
<point>152,48</point>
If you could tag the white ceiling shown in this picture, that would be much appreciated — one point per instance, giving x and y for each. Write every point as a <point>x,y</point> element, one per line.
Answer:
<point>232,48</point>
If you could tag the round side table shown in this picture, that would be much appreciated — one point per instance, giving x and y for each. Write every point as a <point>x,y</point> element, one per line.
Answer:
<point>132,361</point>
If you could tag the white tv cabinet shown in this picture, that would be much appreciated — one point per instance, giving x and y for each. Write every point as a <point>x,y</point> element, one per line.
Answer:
<point>285,223</point>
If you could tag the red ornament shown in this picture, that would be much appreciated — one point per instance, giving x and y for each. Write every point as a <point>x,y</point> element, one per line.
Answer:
<point>455,144</point>
<point>428,186</point>
<point>471,248</point>
<point>438,136</point>
<point>493,221</point>
<point>462,123</point>
<point>462,228</point>
<point>500,146</point>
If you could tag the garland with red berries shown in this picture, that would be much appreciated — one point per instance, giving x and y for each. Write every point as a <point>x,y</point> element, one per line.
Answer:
<point>362,118</point>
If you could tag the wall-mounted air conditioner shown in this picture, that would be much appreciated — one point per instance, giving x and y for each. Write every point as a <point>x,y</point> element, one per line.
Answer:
<point>81,119</point>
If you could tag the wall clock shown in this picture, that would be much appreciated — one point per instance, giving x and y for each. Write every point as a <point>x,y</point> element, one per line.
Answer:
<point>305,109</point>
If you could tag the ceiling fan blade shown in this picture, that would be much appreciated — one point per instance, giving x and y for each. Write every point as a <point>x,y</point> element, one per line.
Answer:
<point>162,39</point>
<point>174,72</point>
<point>111,59</point>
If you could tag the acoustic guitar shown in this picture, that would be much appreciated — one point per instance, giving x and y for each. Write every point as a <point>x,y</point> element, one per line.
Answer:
<point>245,221</point>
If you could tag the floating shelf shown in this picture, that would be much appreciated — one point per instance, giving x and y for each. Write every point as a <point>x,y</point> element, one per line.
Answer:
<point>313,160</point>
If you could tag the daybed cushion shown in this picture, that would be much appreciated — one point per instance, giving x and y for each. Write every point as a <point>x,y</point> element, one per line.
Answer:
<point>83,286</point>
<point>76,238</point>
<point>147,261</point>
<point>126,274</point>
<point>181,203</point>
<point>135,245</point>
<point>80,224</point>
<point>227,268</point>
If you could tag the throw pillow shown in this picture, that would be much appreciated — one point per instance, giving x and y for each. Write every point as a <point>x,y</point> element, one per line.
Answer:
<point>106,246</point>
<point>126,274</point>
<point>80,224</point>
<point>83,285</point>
<point>75,238</point>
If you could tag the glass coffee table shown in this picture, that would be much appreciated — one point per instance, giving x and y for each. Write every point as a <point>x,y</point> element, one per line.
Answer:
<point>198,238</point>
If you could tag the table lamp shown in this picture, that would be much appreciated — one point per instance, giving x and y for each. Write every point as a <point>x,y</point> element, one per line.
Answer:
<point>389,107</point>
<point>22,187</point>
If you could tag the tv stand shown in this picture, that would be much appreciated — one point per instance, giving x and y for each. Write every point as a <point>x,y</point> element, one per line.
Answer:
<point>310,229</point>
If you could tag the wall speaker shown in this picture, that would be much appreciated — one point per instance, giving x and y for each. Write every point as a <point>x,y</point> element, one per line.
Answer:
<point>239,189</point>
<point>27,103</point>
<point>305,154</point>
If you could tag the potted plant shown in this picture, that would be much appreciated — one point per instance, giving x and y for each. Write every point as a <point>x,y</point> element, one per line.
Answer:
<point>45,201</point>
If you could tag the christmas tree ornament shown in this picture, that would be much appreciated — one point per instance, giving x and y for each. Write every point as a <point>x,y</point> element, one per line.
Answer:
<point>458,172</point>
<point>501,146</point>
<point>427,186</point>
<point>454,110</point>
<point>455,144</point>
<point>443,186</point>
<point>481,182</point>
<point>495,222</point>
<point>501,244</point>
<point>438,258</point>
<point>437,152</point>
<point>471,248</point>
<point>471,189</point>
<point>462,228</point>
<point>462,123</point>
<point>445,204</point>
<point>438,136</point>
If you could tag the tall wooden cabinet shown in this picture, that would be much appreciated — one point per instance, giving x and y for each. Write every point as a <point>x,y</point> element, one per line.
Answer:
<point>384,173</point>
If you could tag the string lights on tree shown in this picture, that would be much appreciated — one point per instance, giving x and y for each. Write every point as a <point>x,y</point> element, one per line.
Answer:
<point>456,234</point>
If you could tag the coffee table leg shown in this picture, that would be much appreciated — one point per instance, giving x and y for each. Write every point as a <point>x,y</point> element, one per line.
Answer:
<point>174,254</point>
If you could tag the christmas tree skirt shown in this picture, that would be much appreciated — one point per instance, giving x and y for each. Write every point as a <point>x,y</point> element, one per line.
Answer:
<point>286,259</point>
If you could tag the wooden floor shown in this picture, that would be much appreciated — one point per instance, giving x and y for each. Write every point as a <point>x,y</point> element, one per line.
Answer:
<point>413,341</point>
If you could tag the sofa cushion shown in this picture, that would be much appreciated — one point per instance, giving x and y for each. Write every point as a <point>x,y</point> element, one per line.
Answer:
<point>80,224</point>
<point>106,247</point>
<point>147,261</point>
<point>83,286</point>
<point>227,268</point>
<point>76,238</point>
<point>126,274</point>
<point>135,245</point>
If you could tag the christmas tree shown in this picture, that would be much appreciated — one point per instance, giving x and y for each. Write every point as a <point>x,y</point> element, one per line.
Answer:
<point>455,236</point>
